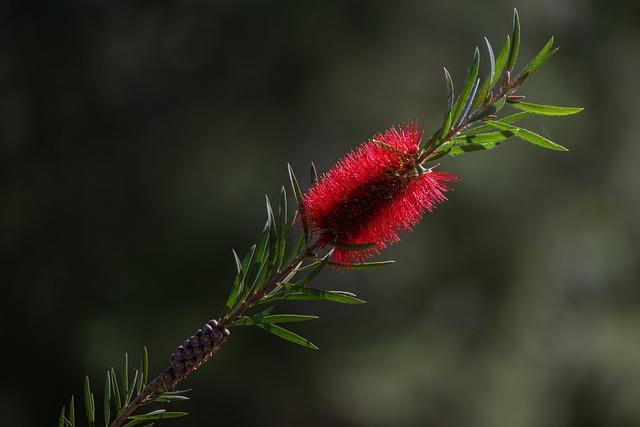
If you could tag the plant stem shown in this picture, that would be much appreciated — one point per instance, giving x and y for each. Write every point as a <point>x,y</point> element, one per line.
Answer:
<point>169,378</point>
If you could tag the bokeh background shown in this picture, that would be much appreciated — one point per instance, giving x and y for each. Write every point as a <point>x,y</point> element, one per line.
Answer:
<point>138,139</point>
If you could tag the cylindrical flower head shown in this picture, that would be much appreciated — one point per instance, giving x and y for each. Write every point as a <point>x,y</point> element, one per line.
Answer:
<point>378,189</point>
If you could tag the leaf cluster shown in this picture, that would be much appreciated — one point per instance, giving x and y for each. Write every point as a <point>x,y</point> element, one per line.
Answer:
<point>275,270</point>
<point>118,392</point>
<point>471,120</point>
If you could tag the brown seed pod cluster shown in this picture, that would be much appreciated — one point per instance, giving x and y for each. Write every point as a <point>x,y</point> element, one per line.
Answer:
<point>195,351</point>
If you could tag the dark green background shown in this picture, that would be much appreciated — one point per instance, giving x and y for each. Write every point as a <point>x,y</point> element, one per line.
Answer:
<point>138,139</point>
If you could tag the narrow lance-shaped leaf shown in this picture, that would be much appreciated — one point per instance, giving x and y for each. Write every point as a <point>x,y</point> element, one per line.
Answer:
<point>107,399</point>
<point>153,416</point>
<point>291,292</point>
<point>450,91</point>
<point>133,385</point>
<point>508,119</point>
<point>459,149</point>
<point>61,417</point>
<point>72,412</point>
<point>441,133</point>
<point>138,385</point>
<point>492,59</point>
<point>125,379</point>
<point>283,228</point>
<point>484,89</point>
<point>145,366</point>
<point>485,137</point>
<point>501,62</point>
<point>274,318</point>
<point>515,43</point>
<point>115,390</point>
<point>89,404</point>
<point>238,282</point>
<point>546,110</point>
<point>273,236</point>
<point>530,136</point>
<point>298,196</point>
<point>287,335</point>
<point>467,88</point>
<point>541,58</point>
<point>467,106</point>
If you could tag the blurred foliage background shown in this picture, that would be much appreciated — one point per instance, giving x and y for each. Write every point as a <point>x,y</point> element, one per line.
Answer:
<point>138,138</point>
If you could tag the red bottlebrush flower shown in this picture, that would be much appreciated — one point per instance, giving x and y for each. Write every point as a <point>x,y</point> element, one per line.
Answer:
<point>378,189</point>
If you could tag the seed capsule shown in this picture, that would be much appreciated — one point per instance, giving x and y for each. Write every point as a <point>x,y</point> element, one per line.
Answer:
<point>216,336</point>
<point>213,323</point>
<point>168,375</point>
<point>198,352</point>
<point>206,328</point>
<point>194,341</point>
<point>178,366</point>
<point>205,339</point>
<point>188,352</point>
<point>179,355</point>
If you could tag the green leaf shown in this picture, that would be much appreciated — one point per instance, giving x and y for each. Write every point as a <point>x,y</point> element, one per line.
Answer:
<point>541,58</point>
<point>238,282</point>
<point>160,414</point>
<point>283,228</point>
<point>450,91</point>
<point>515,45</point>
<point>145,366</point>
<point>115,390</point>
<point>107,399</point>
<point>61,418</point>
<point>492,59</point>
<point>290,292</point>
<point>89,404</point>
<point>508,119</point>
<point>362,265</point>
<point>482,95</point>
<point>467,88</point>
<point>139,383</point>
<point>484,90</point>
<point>501,62</point>
<point>72,412</point>
<point>125,379</point>
<point>446,127</point>
<point>546,110</point>
<point>274,318</point>
<point>133,385</point>
<point>530,136</point>
<point>498,136</point>
<point>441,133</point>
<point>299,200</point>
<point>463,148</point>
<point>287,335</point>
<point>470,100</point>
<point>169,398</point>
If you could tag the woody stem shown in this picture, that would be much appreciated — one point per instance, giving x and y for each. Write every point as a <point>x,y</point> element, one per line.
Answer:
<point>182,366</point>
